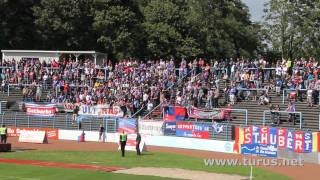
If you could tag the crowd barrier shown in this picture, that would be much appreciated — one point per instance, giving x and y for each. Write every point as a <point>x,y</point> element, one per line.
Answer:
<point>283,112</point>
<point>285,93</point>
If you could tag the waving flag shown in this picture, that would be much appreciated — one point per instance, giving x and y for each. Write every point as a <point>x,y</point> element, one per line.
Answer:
<point>174,113</point>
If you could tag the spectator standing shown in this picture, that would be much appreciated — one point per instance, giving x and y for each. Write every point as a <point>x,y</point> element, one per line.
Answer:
<point>101,133</point>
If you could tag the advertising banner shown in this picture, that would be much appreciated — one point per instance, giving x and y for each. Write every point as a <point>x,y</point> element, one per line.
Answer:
<point>33,136</point>
<point>169,128</point>
<point>100,111</point>
<point>40,110</point>
<point>148,127</point>
<point>193,129</point>
<point>288,139</point>
<point>197,113</point>
<point>264,150</point>
<point>50,133</point>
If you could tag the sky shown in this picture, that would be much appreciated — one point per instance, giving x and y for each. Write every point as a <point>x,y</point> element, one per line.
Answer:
<point>255,8</point>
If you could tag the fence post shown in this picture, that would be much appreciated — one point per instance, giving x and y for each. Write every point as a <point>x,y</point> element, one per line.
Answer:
<point>90,124</point>
<point>65,121</point>
<point>283,96</point>
<point>54,119</point>
<point>15,121</point>
<point>319,122</point>
<point>300,120</point>
<point>264,118</point>
<point>8,90</point>
<point>246,117</point>
<point>4,113</point>
<point>28,121</point>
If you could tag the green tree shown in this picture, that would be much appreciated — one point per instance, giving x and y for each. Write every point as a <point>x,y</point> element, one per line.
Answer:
<point>117,23</point>
<point>169,32</point>
<point>65,24</point>
<point>293,27</point>
<point>16,26</point>
<point>224,27</point>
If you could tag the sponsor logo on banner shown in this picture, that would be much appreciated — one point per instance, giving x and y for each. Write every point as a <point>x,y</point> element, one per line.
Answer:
<point>169,128</point>
<point>217,128</point>
<point>197,113</point>
<point>50,133</point>
<point>264,150</point>
<point>40,110</point>
<point>100,111</point>
<point>193,129</point>
<point>153,128</point>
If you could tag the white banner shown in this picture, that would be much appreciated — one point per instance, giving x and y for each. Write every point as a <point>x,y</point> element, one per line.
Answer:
<point>148,127</point>
<point>100,111</point>
<point>33,136</point>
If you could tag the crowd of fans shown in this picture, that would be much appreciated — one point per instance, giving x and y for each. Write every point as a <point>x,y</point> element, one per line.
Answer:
<point>133,84</point>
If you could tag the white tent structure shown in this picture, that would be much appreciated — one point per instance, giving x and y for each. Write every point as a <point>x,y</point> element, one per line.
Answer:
<point>50,55</point>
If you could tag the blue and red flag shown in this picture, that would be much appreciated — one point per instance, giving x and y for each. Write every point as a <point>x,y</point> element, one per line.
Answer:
<point>174,113</point>
<point>127,125</point>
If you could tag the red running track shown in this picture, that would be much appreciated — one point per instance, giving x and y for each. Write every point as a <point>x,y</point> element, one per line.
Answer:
<point>61,165</point>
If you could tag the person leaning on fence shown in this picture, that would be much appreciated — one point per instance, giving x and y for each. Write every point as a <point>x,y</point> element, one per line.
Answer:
<point>3,134</point>
<point>123,142</point>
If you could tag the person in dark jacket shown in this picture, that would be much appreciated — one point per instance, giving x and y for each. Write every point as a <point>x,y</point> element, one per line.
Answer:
<point>138,140</point>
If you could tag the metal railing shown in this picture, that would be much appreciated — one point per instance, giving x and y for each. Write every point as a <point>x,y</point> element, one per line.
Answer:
<point>285,93</point>
<point>283,112</point>
<point>59,121</point>
<point>177,83</point>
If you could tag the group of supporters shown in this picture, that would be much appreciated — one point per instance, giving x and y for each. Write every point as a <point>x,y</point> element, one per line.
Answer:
<point>134,85</point>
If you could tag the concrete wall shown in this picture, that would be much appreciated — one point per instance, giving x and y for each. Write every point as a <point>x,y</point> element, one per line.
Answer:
<point>164,141</point>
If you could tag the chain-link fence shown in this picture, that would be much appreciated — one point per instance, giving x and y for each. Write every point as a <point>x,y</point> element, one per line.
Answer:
<point>59,121</point>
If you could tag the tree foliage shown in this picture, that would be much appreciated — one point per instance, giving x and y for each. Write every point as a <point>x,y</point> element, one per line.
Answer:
<point>292,27</point>
<point>132,28</point>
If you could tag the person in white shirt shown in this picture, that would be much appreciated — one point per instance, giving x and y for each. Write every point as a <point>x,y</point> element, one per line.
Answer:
<point>309,96</point>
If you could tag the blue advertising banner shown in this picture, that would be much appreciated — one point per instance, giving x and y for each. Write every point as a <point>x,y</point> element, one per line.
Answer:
<point>264,150</point>
<point>169,128</point>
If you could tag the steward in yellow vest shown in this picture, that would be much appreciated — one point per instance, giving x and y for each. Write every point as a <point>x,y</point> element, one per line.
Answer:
<point>123,142</point>
<point>3,134</point>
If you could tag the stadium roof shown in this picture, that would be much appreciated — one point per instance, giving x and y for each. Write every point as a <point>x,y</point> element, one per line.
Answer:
<point>46,55</point>
<point>55,52</point>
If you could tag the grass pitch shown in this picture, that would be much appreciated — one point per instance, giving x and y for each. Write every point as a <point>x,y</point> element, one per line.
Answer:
<point>148,159</point>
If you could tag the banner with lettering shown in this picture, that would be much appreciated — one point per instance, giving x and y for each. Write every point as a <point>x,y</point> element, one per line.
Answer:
<point>197,113</point>
<point>169,128</point>
<point>50,133</point>
<point>193,129</point>
<point>283,138</point>
<point>40,109</point>
<point>101,111</point>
